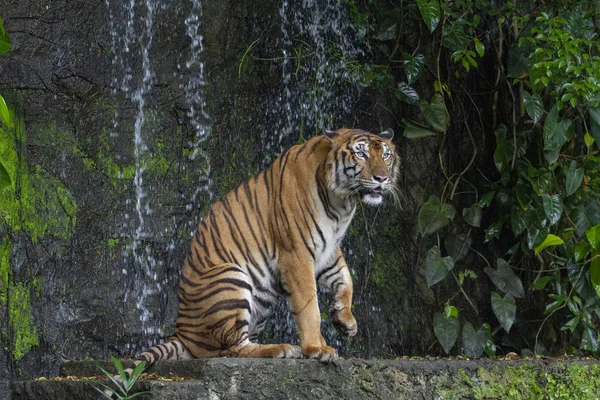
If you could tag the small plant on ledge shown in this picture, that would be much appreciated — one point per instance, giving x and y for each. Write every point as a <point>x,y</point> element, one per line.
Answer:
<point>125,384</point>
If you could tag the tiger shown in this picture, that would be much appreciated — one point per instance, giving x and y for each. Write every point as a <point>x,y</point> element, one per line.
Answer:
<point>277,236</point>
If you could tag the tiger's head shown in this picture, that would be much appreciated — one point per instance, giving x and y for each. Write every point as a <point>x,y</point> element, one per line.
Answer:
<point>362,165</point>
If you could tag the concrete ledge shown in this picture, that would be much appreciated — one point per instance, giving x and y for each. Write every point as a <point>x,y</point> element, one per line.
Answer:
<point>227,378</point>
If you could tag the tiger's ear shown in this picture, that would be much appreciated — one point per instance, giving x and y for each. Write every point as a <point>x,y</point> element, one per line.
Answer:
<point>330,134</point>
<point>387,134</point>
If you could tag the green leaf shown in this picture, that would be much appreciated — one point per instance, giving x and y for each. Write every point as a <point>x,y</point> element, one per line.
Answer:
<point>412,66</point>
<point>486,199</point>
<point>457,246</point>
<point>586,217</point>
<point>473,342</point>
<point>5,42</point>
<point>555,134</point>
<point>553,207</point>
<point>387,29</point>
<point>589,339</point>
<point>571,325</point>
<point>493,231</point>
<point>505,309</point>
<point>120,370</point>
<point>541,282</point>
<point>436,267</point>
<point>536,234</point>
<point>450,311</point>
<point>473,215</point>
<point>523,191</point>
<point>479,47</point>
<point>551,240</point>
<point>414,131</point>
<point>446,330</point>
<point>110,376</point>
<point>5,114</point>
<point>435,113</point>
<point>582,249</point>
<point>534,106</point>
<point>5,180</point>
<point>593,236</point>
<point>138,370</point>
<point>490,346</point>
<point>406,93</point>
<point>595,272</point>
<point>574,178</point>
<point>539,179</point>
<point>434,215</point>
<point>518,222</point>
<point>430,12</point>
<point>588,140</point>
<point>595,123</point>
<point>505,279</point>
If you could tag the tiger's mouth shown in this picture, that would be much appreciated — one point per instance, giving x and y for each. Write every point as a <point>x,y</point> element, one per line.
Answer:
<point>374,191</point>
<point>372,195</point>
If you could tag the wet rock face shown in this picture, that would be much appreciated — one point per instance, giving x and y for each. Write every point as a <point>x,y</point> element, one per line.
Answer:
<point>66,78</point>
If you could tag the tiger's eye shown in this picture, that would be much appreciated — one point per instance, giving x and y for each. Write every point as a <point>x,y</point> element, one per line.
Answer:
<point>361,155</point>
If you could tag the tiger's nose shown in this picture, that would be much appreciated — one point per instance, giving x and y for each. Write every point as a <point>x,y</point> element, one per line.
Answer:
<point>380,178</point>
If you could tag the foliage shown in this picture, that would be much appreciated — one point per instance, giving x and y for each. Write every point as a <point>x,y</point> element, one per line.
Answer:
<point>124,383</point>
<point>543,69</point>
<point>5,117</point>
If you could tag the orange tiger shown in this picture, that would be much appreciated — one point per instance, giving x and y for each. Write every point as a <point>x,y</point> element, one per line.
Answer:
<point>277,235</point>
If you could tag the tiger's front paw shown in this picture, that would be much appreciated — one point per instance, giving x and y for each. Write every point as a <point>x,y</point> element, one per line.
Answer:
<point>321,353</point>
<point>344,321</point>
<point>289,351</point>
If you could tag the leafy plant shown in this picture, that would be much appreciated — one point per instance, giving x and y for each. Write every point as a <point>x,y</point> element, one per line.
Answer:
<point>543,202</point>
<point>6,120</point>
<point>126,382</point>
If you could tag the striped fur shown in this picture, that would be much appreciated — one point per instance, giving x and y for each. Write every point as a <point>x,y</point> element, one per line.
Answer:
<point>277,235</point>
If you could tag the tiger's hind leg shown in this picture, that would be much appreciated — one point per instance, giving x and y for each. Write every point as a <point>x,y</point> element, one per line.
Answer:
<point>216,315</point>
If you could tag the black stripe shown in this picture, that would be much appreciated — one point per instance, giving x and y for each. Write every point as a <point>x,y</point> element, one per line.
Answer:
<point>199,343</point>
<point>222,271</point>
<point>236,282</point>
<point>228,305</point>
<point>201,299</point>
<point>325,278</point>
<point>324,271</point>
<point>311,251</point>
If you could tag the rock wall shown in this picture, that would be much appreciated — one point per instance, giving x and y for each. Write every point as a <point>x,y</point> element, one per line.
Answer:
<point>348,379</point>
<point>68,228</point>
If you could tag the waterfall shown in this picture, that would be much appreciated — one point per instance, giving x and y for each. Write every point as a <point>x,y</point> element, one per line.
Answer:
<point>318,89</point>
<point>144,275</point>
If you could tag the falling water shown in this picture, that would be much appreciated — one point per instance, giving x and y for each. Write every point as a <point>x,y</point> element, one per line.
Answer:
<point>194,93</point>
<point>141,252</point>
<point>145,277</point>
<point>318,87</point>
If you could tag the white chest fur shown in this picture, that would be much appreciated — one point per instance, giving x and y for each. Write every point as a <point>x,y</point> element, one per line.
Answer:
<point>333,232</point>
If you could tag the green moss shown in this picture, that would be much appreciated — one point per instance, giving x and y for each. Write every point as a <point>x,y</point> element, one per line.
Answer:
<point>5,249</point>
<point>24,333</point>
<point>573,381</point>
<point>289,379</point>
<point>39,205</point>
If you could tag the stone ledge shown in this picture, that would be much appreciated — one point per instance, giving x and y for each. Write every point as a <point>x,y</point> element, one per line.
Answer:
<point>229,378</point>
